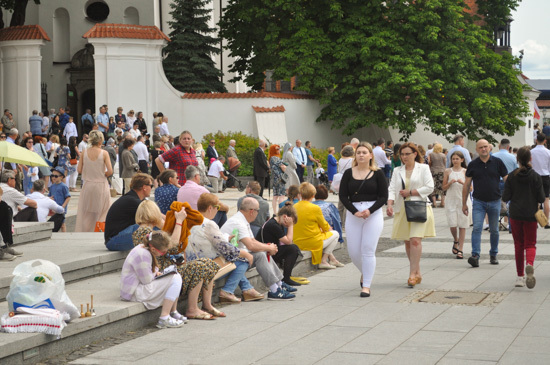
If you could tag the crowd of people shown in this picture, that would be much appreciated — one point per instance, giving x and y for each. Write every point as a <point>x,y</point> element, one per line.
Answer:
<point>186,231</point>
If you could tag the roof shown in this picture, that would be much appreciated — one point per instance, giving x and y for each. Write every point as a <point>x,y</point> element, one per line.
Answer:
<point>245,95</point>
<point>275,109</point>
<point>23,32</point>
<point>125,31</point>
<point>543,103</point>
<point>539,84</point>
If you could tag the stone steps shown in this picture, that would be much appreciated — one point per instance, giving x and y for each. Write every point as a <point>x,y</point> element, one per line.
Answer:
<point>89,269</point>
<point>25,232</point>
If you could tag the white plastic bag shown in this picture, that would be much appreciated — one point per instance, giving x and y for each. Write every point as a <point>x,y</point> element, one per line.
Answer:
<point>39,284</point>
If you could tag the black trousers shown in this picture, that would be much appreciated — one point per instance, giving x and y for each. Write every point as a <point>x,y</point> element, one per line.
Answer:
<point>286,257</point>
<point>263,180</point>
<point>143,166</point>
<point>26,215</point>
<point>6,221</point>
<point>57,220</point>
<point>300,172</point>
<point>220,218</point>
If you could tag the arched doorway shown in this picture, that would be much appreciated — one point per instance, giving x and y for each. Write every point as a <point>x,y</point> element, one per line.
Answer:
<point>87,101</point>
<point>82,83</point>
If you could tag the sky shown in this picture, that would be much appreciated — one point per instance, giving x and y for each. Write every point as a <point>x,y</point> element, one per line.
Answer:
<point>529,32</point>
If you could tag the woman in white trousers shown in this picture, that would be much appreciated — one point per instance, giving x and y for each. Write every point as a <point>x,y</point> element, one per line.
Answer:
<point>363,192</point>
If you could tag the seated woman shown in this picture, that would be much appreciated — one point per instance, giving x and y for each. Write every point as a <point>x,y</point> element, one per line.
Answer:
<point>312,232</point>
<point>139,281</point>
<point>330,212</point>
<point>166,194</point>
<point>206,240</point>
<point>197,275</point>
<point>273,231</point>
<point>293,195</point>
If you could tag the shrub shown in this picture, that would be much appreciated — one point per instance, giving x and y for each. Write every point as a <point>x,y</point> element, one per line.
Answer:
<point>245,147</point>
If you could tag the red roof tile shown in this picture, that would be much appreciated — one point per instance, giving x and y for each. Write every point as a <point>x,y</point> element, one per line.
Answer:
<point>125,31</point>
<point>543,103</point>
<point>23,32</point>
<point>275,109</point>
<point>245,95</point>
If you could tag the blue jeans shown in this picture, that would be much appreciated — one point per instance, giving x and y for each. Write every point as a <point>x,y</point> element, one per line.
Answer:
<point>237,277</point>
<point>479,209</point>
<point>123,240</point>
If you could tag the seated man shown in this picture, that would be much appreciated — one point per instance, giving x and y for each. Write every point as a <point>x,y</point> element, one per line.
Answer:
<point>5,231</point>
<point>16,200</point>
<point>253,191</point>
<point>267,268</point>
<point>46,204</point>
<point>192,190</point>
<point>120,222</point>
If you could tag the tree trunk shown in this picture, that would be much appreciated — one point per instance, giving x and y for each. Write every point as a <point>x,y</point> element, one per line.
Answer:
<point>18,17</point>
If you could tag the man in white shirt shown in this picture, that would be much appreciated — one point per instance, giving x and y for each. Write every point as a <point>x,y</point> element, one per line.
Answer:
<point>142,153</point>
<point>540,160</point>
<point>216,174</point>
<point>45,204</point>
<point>380,155</point>
<point>45,123</point>
<point>70,130</point>
<point>164,127</point>
<point>299,153</point>
<point>83,144</point>
<point>135,131</point>
<point>267,268</point>
<point>16,200</point>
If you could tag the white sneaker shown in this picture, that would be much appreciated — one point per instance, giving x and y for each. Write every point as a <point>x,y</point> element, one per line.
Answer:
<point>6,256</point>
<point>169,323</point>
<point>520,282</point>
<point>178,316</point>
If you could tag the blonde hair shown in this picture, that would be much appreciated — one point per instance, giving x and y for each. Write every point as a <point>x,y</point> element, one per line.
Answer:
<point>197,146</point>
<point>148,212</point>
<point>55,138</point>
<point>307,191</point>
<point>95,138</point>
<point>438,148</point>
<point>372,164</point>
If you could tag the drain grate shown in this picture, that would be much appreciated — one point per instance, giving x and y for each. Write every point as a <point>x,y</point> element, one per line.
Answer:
<point>454,297</point>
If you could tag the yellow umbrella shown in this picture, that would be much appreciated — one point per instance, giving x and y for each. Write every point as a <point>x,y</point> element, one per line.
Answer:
<point>10,152</point>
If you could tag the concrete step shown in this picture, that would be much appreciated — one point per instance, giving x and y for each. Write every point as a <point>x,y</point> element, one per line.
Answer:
<point>89,269</point>
<point>25,232</point>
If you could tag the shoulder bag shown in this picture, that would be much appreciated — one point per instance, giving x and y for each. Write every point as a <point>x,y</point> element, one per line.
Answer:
<point>415,209</point>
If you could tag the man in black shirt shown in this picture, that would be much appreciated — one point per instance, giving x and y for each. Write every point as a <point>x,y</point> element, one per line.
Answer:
<point>120,222</point>
<point>485,172</point>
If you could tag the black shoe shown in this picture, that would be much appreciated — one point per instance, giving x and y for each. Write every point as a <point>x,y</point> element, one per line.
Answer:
<point>365,295</point>
<point>291,282</point>
<point>474,261</point>
<point>494,260</point>
<point>547,226</point>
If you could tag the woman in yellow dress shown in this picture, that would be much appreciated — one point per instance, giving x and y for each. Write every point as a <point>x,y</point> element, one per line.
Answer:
<point>418,185</point>
<point>312,232</point>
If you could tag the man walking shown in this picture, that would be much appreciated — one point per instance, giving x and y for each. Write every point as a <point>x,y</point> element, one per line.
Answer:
<point>459,146</point>
<point>540,160</point>
<point>300,157</point>
<point>261,168</point>
<point>485,172</point>
<point>309,164</point>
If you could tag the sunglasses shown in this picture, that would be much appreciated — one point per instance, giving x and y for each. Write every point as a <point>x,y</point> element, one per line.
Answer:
<point>217,207</point>
<point>56,175</point>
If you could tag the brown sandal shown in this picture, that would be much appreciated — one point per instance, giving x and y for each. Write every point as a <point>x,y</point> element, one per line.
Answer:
<point>215,312</point>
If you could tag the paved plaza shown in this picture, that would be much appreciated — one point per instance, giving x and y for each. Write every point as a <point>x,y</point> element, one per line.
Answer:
<point>328,323</point>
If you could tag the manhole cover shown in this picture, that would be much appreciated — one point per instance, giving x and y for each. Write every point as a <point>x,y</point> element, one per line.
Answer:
<point>442,297</point>
<point>454,297</point>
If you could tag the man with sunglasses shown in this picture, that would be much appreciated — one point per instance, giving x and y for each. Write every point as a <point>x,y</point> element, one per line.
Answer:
<point>211,152</point>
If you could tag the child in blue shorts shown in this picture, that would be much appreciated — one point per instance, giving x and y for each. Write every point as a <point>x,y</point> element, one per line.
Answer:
<point>59,191</point>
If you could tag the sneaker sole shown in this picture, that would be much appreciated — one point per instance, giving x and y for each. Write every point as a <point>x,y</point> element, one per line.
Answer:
<point>473,262</point>
<point>11,258</point>
<point>281,299</point>
<point>162,327</point>
<point>530,281</point>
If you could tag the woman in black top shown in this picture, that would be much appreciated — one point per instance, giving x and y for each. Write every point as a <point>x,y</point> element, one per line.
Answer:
<point>273,231</point>
<point>363,191</point>
<point>523,189</point>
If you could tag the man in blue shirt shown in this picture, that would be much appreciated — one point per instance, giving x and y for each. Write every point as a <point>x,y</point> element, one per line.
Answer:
<point>300,157</point>
<point>63,118</point>
<point>485,172</point>
<point>459,146</point>
<point>103,120</point>
<point>35,122</point>
<point>87,122</point>
<point>310,161</point>
<point>546,129</point>
<point>508,159</point>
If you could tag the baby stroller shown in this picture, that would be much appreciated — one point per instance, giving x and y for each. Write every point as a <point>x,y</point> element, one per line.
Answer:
<point>323,180</point>
<point>238,183</point>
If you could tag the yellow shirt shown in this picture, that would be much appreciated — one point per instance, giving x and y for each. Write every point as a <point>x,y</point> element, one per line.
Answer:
<point>311,229</point>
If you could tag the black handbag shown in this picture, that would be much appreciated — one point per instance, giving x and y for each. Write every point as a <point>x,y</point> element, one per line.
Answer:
<point>415,210</point>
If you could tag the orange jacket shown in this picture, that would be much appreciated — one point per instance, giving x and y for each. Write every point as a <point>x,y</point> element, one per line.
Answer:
<point>193,218</point>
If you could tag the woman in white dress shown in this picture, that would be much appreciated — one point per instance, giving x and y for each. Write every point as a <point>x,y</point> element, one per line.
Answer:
<point>453,181</point>
<point>290,171</point>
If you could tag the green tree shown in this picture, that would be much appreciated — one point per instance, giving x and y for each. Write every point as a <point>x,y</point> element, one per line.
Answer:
<point>19,8</point>
<point>188,63</point>
<point>401,64</point>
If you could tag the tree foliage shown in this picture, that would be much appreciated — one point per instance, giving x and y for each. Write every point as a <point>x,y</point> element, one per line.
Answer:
<point>402,64</point>
<point>188,63</point>
<point>19,8</point>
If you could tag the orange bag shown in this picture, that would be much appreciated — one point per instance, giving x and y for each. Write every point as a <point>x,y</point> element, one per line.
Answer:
<point>99,227</point>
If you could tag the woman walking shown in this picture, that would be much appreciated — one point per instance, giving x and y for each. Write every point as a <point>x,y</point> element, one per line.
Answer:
<point>363,191</point>
<point>278,169</point>
<point>523,189</point>
<point>290,161</point>
<point>411,181</point>
<point>95,198</point>
<point>75,156</point>
<point>453,181</point>
<point>437,161</point>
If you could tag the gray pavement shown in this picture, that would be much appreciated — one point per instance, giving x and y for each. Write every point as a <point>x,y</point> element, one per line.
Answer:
<point>329,323</point>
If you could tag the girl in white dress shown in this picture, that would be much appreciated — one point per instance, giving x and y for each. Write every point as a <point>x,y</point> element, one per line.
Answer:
<point>453,181</point>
